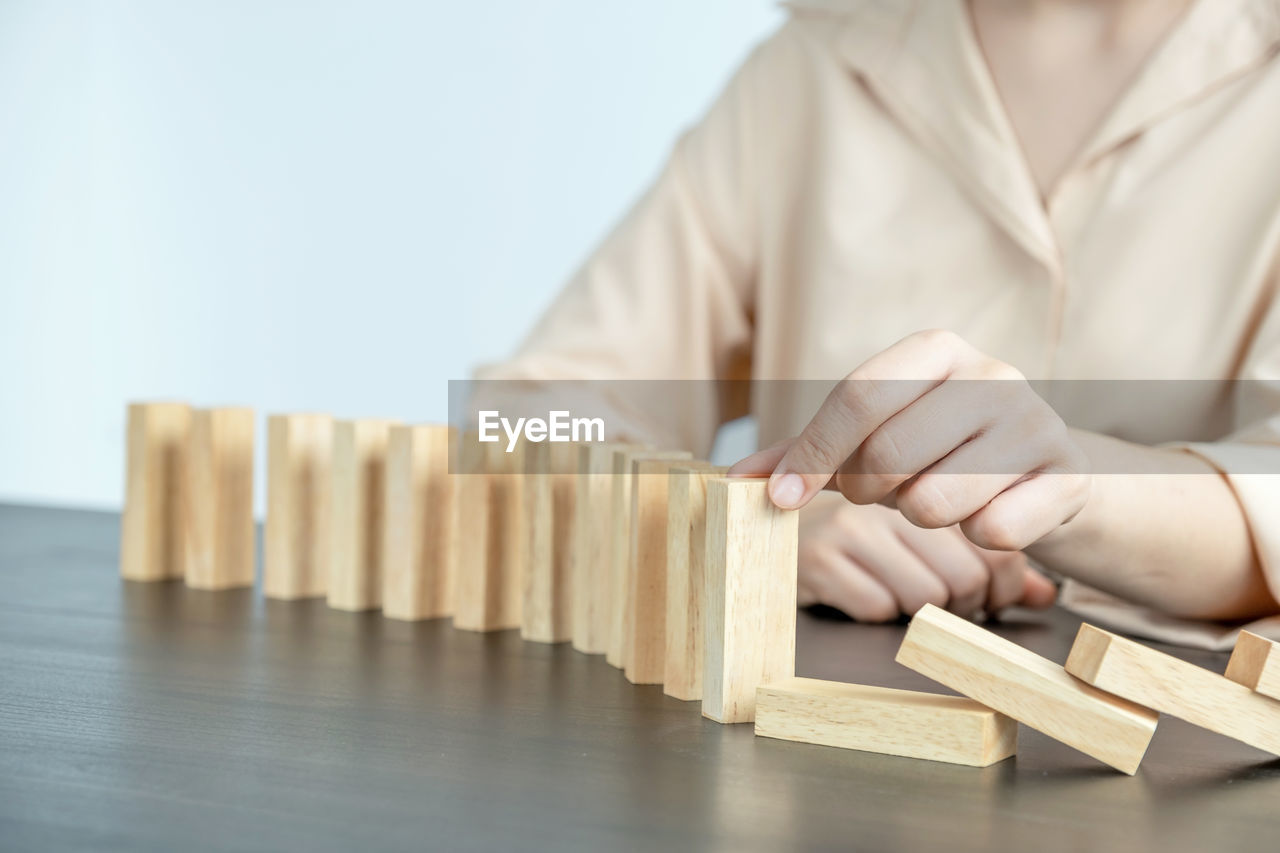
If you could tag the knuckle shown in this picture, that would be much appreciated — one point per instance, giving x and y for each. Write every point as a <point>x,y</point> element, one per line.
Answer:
<point>875,608</point>
<point>999,371</point>
<point>924,504</point>
<point>881,454</point>
<point>818,448</point>
<point>969,585</point>
<point>944,338</point>
<point>995,531</point>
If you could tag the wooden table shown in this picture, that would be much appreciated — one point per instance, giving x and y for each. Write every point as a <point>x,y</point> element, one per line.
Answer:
<point>153,717</point>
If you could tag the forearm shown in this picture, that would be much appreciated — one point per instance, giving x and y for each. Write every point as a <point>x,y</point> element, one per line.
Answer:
<point>1168,533</point>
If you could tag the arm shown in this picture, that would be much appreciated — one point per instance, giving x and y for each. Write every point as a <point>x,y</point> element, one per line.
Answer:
<point>1174,538</point>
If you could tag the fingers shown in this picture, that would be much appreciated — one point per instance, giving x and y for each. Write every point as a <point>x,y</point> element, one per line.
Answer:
<point>879,388</point>
<point>956,562</point>
<point>762,462</point>
<point>1008,580</point>
<point>833,578</point>
<point>1038,592</point>
<point>1022,514</point>
<point>912,583</point>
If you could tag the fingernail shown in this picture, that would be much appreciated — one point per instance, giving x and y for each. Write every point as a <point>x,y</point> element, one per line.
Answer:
<point>787,490</point>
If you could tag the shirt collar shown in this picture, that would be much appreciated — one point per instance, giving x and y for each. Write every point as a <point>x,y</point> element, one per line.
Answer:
<point>922,59</point>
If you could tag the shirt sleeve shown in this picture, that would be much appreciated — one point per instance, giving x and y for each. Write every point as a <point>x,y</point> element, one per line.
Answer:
<point>657,324</point>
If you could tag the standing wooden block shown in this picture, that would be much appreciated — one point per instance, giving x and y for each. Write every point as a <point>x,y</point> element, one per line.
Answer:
<point>419,552</point>
<point>890,722</point>
<point>1172,686</point>
<point>592,553</point>
<point>1031,689</point>
<point>359,488</point>
<point>299,463</point>
<point>751,597</point>
<point>217,521</point>
<point>620,546</point>
<point>550,485</point>
<point>645,642</point>
<point>686,580</point>
<point>151,539</point>
<point>489,582</point>
<point>1255,663</point>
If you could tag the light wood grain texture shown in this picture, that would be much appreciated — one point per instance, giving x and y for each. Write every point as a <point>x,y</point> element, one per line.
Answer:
<point>887,721</point>
<point>1255,663</point>
<point>151,539</point>
<point>299,499</point>
<point>550,487</point>
<point>1021,684</point>
<point>750,593</point>
<point>592,553</point>
<point>359,489</point>
<point>644,647</point>
<point>1171,686</point>
<point>217,518</point>
<point>686,579</point>
<point>620,546</point>
<point>491,544</point>
<point>419,553</point>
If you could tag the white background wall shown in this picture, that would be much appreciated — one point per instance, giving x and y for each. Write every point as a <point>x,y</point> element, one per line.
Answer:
<point>333,206</point>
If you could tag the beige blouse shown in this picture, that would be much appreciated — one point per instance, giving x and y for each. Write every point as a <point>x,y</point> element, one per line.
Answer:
<point>858,180</point>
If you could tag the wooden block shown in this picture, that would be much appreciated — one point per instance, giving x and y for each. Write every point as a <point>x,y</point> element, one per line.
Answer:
<point>750,592</point>
<point>359,489</point>
<point>1031,689</point>
<point>419,553</point>
<point>890,722</point>
<point>686,580</point>
<point>1255,663</point>
<point>644,646</point>
<point>151,539</point>
<point>592,553</point>
<point>299,464</point>
<point>1172,686</point>
<point>620,545</point>
<point>549,488</point>
<point>489,587</point>
<point>217,520</point>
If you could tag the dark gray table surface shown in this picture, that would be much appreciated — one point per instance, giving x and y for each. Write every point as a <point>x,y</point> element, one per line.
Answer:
<point>153,717</point>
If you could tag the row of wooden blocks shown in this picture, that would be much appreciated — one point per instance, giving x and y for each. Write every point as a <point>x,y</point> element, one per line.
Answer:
<point>679,576</point>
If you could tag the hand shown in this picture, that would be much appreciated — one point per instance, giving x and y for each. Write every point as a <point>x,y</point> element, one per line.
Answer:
<point>873,564</point>
<point>945,434</point>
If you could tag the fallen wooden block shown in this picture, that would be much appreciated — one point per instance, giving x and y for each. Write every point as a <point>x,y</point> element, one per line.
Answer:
<point>151,537</point>
<point>750,595</point>
<point>359,488</point>
<point>620,544</point>
<point>644,647</point>
<point>217,520</point>
<point>1175,687</point>
<point>686,580</point>
<point>550,485</point>
<point>592,553</point>
<point>299,463</point>
<point>1255,663</point>
<point>489,584</point>
<point>419,554</point>
<point>890,722</point>
<point>1033,690</point>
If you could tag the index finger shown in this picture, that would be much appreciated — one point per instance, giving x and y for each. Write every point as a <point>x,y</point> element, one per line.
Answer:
<point>875,391</point>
